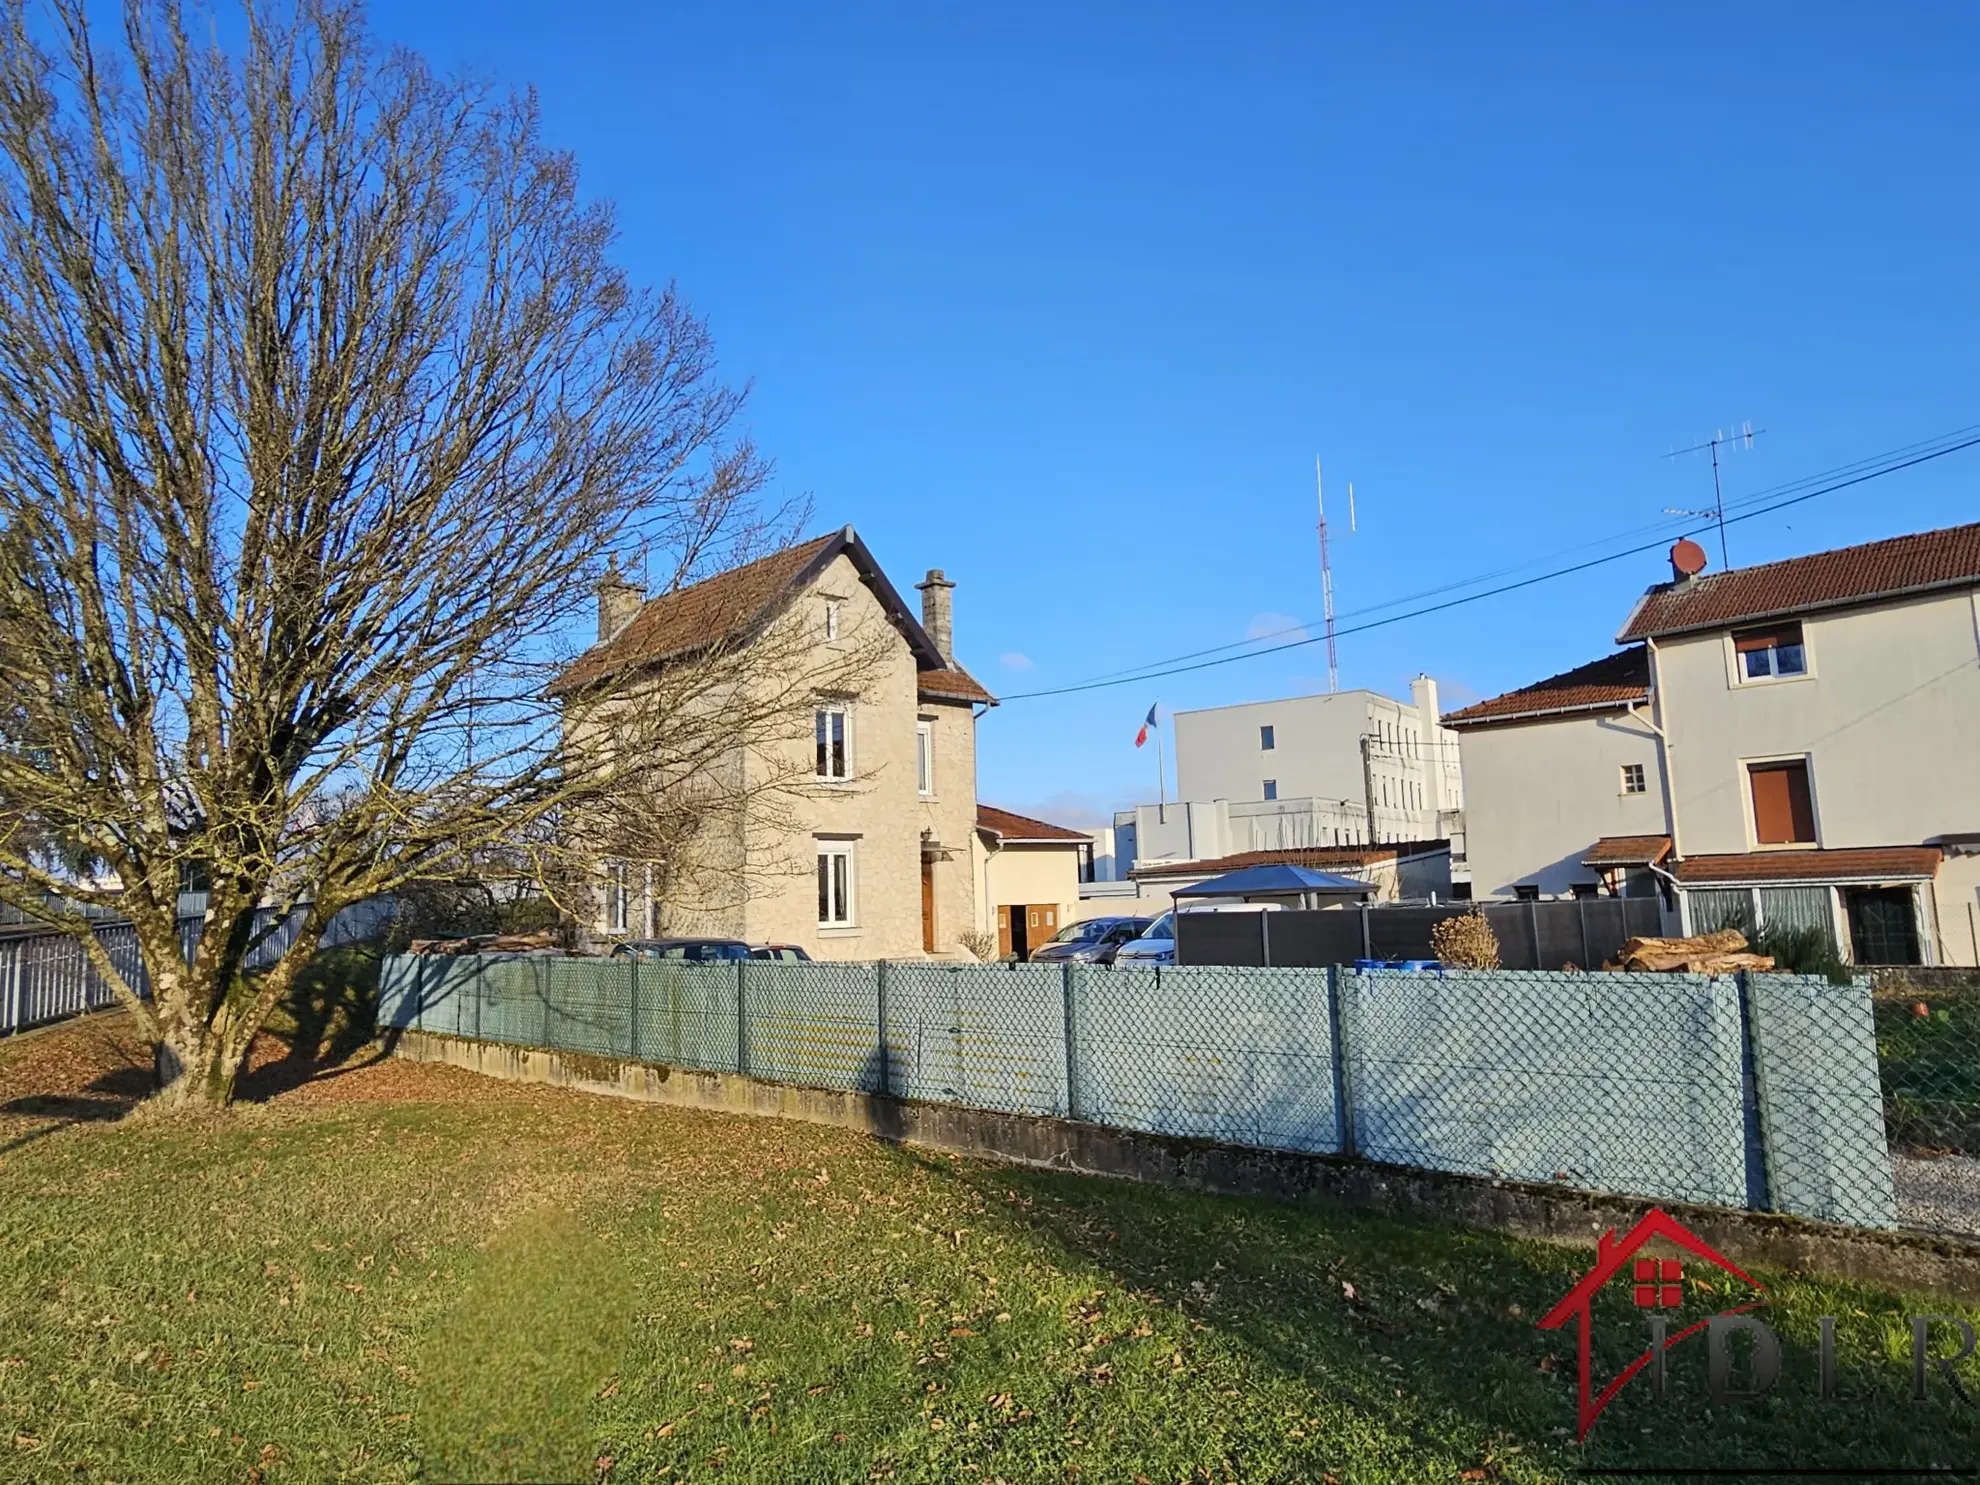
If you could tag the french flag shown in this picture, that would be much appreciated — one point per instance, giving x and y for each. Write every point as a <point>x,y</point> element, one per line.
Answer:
<point>1142,736</point>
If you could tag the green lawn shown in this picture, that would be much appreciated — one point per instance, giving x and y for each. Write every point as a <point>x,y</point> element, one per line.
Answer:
<point>401,1272</point>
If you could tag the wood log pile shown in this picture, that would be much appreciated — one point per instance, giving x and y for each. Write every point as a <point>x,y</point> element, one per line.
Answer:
<point>487,943</point>
<point>1720,953</point>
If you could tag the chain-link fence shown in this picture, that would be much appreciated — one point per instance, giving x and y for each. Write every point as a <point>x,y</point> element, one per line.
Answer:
<point>1756,1091</point>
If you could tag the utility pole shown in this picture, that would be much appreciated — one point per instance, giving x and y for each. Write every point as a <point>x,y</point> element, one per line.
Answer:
<point>1368,786</point>
<point>1326,582</point>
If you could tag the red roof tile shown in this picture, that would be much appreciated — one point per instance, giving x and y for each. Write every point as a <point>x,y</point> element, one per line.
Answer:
<point>1628,850</point>
<point>953,683</point>
<point>1022,827</point>
<point>1869,863</point>
<point>1617,680</point>
<point>1320,857</point>
<point>1860,574</point>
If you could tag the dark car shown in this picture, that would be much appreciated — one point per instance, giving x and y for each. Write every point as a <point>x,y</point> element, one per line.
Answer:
<point>1094,941</point>
<point>789,953</point>
<point>694,950</point>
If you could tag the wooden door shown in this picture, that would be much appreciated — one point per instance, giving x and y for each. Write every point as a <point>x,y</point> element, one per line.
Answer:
<point>1003,932</point>
<point>928,906</point>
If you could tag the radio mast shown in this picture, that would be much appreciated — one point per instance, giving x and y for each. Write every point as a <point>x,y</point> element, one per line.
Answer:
<point>1327,578</point>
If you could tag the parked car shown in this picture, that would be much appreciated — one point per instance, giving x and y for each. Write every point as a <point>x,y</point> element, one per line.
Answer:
<point>694,950</point>
<point>1094,941</point>
<point>788,953</point>
<point>1156,945</point>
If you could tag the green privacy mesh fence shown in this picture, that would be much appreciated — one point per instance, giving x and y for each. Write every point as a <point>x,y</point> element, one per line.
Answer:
<point>1759,1091</point>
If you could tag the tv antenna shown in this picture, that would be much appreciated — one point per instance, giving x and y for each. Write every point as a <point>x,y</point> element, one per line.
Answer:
<point>1327,573</point>
<point>1740,437</point>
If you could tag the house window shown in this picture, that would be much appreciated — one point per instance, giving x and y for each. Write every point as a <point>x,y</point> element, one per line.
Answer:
<point>924,757</point>
<point>1767,654</point>
<point>617,898</point>
<point>1265,740</point>
<point>835,883</point>
<point>1271,788</point>
<point>830,725</point>
<point>1783,808</point>
<point>832,618</point>
<point>1633,781</point>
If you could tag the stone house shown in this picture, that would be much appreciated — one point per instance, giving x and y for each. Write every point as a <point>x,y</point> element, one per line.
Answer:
<point>876,783</point>
<point>1795,742</point>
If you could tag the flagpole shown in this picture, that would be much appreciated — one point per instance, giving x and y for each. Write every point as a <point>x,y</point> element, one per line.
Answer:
<point>1161,776</point>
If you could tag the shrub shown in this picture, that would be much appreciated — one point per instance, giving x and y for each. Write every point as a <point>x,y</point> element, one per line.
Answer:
<point>1466,942</point>
<point>979,942</point>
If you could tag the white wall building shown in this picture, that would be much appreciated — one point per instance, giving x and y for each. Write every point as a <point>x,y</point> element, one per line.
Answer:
<point>1809,735</point>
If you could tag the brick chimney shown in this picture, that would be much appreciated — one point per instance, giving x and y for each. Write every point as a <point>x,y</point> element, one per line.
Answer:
<point>619,598</point>
<point>938,613</point>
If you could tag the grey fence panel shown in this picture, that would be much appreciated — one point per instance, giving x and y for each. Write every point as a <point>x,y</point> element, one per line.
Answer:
<point>814,1024</point>
<point>509,1001</point>
<point>992,1037</point>
<point>1821,1103</point>
<point>1626,1083</point>
<point>448,989</point>
<point>1401,932</point>
<point>1240,1055</point>
<point>1315,940</point>
<point>589,1003</point>
<point>687,1014</point>
<point>398,992</point>
<point>1220,938</point>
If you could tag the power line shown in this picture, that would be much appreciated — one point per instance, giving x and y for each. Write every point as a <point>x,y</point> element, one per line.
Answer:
<point>1168,668</point>
<point>1664,528</point>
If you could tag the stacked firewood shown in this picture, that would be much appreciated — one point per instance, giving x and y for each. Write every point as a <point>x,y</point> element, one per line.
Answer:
<point>1720,953</point>
<point>485,943</point>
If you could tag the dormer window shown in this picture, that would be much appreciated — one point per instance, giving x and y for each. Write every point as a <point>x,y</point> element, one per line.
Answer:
<point>1771,653</point>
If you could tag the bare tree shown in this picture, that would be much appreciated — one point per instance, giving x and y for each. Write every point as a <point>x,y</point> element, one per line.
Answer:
<point>321,407</point>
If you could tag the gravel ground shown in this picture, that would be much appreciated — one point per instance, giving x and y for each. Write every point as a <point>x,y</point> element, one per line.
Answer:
<point>1942,1192</point>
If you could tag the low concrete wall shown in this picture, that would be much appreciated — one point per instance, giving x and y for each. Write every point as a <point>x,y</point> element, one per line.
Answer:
<point>1907,1261</point>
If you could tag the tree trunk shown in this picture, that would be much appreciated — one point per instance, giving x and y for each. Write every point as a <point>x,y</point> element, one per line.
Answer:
<point>194,1069</point>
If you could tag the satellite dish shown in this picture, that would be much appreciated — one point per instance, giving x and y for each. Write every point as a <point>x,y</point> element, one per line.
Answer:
<point>1687,558</point>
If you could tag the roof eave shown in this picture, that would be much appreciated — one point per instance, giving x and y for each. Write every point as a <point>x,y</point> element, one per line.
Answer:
<point>1860,600</point>
<point>1458,723</point>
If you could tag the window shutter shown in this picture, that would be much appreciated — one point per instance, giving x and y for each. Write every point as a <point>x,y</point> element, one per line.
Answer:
<point>1783,809</point>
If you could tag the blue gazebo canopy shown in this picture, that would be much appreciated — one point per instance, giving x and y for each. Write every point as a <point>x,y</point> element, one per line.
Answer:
<point>1279,879</point>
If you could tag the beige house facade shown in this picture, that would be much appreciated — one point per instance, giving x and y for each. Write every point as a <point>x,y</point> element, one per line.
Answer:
<point>1028,873</point>
<point>874,800</point>
<point>1809,732</point>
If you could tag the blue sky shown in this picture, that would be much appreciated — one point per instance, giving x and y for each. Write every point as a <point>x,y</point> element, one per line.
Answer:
<point>1065,300</point>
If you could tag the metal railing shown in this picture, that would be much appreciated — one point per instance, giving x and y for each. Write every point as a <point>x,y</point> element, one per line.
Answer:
<point>1758,1091</point>
<point>49,976</point>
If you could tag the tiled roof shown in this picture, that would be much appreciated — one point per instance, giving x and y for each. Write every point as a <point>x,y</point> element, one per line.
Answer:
<point>1613,681</point>
<point>953,683</point>
<point>701,614</point>
<point>1877,569</point>
<point>732,604</point>
<point>1324,858</point>
<point>1628,850</point>
<point>1869,863</point>
<point>1022,827</point>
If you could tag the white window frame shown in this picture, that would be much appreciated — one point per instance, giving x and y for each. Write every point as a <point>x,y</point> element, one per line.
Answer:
<point>1635,779</point>
<point>1270,789</point>
<point>838,908</point>
<point>924,757</point>
<point>832,606</point>
<point>820,715</point>
<point>1268,737</point>
<point>1736,675</point>
<point>618,898</point>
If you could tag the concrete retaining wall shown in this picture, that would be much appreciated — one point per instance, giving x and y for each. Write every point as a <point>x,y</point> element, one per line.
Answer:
<point>1913,1262</point>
